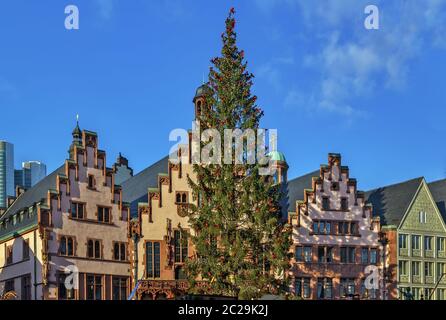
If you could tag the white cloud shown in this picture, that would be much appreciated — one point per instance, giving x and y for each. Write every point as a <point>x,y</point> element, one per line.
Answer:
<point>353,62</point>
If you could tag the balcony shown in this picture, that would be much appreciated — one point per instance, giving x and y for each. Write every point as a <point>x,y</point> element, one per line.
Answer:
<point>441,254</point>
<point>429,253</point>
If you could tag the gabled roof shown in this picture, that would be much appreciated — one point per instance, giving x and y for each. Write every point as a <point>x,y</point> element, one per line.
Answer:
<point>28,199</point>
<point>295,189</point>
<point>391,202</point>
<point>438,191</point>
<point>135,189</point>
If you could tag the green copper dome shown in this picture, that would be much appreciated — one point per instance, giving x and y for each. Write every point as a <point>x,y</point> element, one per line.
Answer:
<point>201,91</point>
<point>277,156</point>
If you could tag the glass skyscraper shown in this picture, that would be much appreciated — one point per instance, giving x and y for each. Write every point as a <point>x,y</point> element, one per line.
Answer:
<point>31,173</point>
<point>6,172</point>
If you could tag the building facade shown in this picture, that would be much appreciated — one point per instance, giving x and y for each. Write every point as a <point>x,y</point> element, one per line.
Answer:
<point>160,231</point>
<point>66,237</point>
<point>6,172</point>
<point>335,236</point>
<point>415,232</point>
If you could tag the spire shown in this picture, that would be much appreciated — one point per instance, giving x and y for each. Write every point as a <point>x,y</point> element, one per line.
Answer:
<point>77,137</point>
<point>77,133</point>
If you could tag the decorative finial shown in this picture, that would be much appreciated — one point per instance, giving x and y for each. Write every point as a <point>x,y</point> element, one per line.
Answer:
<point>202,82</point>
<point>77,118</point>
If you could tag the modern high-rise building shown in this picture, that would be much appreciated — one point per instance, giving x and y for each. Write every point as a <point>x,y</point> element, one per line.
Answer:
<point>31,173</point>
<point>6,172</point>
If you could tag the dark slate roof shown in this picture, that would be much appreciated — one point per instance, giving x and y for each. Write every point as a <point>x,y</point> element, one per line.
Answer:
<point>28,199</point>
<point>438,191</point>
<point>134,190</point>
<point>295,189</point>
<point>391,202</point>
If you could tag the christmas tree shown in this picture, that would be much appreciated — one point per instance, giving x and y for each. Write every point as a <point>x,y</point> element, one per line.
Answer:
<point>241,242</point>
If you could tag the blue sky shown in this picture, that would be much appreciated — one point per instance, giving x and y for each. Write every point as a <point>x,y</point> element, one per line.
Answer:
<point>324,81</point>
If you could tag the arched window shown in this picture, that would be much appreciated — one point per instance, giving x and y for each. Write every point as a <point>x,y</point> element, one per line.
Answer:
<point>178,197</point>
<point>183,198</point>
<point>199,108</point>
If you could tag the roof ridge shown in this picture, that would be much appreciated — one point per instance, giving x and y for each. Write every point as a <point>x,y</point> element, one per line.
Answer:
<point>395,184</point>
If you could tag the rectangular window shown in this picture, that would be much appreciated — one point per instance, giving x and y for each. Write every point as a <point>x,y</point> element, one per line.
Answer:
<point>324,288</point>
<point>9,254</point>
<point>347,287</point>
<point>119,288</point>
<point>9,286</point>
<point>64,293</point>
<point>351,255</point>
<point>299,254</point>
<point>373,256</point>
<point>428,243</point>
<point>91,182</point>
<point>342,228</point>
<point>325,203</point>
<point>94,249</point>
<point>77,210</point>
<point>416,242</point>
<point>441,244</point>
<point>441,294</point>
<point>180,246</point>
<point>94,287</point>
<point>66,246</point>
<point>344,204</point>
<point>153,261</point>
<point>103,214</point>
<point>441,270</point>
<point>26,287</point>
<point>322,227</point>
<point>344,258</point>
<point>308,254</point>
<point>427,293</point>
<point>402,241</point>
<point>422,217</point>
<point>120,251</point>
<point>353,228</point>
<point>416,268</point>
<point>364,255</point>
<point>402,267</point>
<point>25,250</point>
<point>298,287</point>
<point>428,269</point>
<point>321,254</point>
<point>306,288</point>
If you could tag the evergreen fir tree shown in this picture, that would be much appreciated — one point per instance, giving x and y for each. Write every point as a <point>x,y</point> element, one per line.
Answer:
<point>241,241</point>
